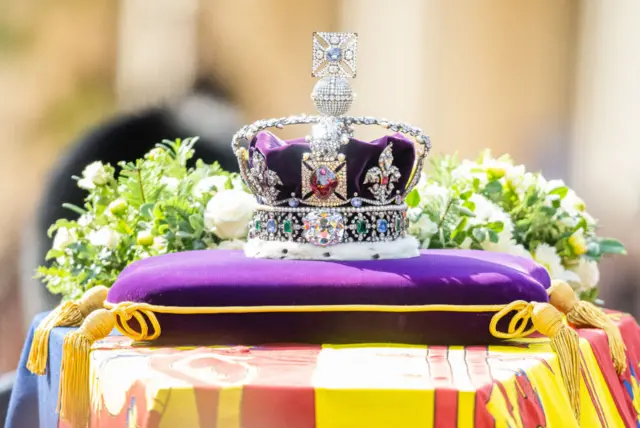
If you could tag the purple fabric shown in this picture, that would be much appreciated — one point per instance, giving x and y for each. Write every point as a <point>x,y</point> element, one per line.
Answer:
<point>285,158</point>
<point>228,278</point>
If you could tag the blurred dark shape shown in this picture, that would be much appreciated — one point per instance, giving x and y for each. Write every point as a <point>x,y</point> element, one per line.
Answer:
<point>206,112</point>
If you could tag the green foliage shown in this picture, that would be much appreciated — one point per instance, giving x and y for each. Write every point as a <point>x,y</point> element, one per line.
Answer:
<point>490,204</point>
<point>155,205</point>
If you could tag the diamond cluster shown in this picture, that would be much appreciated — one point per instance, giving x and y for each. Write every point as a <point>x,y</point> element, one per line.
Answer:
<point>332,95</point>
<point>329,226</point>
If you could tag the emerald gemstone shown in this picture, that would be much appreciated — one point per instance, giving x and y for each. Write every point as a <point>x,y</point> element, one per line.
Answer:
<point>258,225</point>
<point>287,226</point>
<point>398,224</point>
<point>362,226</point>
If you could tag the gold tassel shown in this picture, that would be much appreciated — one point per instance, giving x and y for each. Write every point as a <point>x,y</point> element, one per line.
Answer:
<point>74,397</point>
<point>585,314</point>
<point>566,344</point>
<point>68,314</point>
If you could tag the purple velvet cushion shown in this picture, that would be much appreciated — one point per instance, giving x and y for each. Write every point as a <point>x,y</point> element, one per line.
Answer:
<point>228,278</point>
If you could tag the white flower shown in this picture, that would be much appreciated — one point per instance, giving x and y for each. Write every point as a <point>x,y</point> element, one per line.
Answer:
<point>486,211</point>
<point>519,250</point>
<point>432,193</point>
<point>159,243</point>
<point>64,237</point>
<point>588,275</point>
<point>422,227</point>
<point>228,213</point>
<point>237,183</point>
<point>572,203</point>
<point>93,175</point>
<point>207,183</point>
<point>85,220</point>
<point>547,256</point>
<point>170,183</point>
<point>104,237</point>
<point>234,244</point>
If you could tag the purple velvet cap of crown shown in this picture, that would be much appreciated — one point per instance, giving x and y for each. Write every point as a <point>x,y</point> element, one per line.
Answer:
<point>228,278</point>
<point>285,158</point>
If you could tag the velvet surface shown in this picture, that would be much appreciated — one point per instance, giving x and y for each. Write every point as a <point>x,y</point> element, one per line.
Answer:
<point>285,158</point>
<point>228,278</point>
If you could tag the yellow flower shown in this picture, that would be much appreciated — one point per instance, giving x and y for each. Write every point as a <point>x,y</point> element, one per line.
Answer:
<point>578,243</point>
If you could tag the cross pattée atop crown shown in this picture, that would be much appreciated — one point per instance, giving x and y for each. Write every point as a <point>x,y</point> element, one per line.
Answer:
<point>329,195</point>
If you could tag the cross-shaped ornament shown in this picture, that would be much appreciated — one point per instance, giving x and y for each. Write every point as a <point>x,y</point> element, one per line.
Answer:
<point>334,54</point>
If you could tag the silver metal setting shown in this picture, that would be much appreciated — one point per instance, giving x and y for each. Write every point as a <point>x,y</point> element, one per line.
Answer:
<point>334,54</point>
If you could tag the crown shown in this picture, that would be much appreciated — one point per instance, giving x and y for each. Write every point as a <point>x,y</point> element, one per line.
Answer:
<point>330,195</point>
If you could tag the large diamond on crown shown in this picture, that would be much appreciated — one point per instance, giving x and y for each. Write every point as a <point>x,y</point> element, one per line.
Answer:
<point>323,227</point>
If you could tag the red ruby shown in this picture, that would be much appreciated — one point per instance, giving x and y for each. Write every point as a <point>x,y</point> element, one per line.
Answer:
<point>323,182</point>
<point>384,180</point>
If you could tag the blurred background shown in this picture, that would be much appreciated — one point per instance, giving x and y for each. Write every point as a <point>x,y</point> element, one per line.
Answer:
<point>555,83</point>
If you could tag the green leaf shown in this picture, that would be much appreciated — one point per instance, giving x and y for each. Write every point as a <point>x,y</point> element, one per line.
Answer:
<point>146,210</point>
<point>493,236</point>
<point>54,254</point>
<point>493,187</point>
<point>466,195</point>
<point>74,208</point>
<point>548,211</point>
<point>466,211</point>
<point>469,204</point>
<point>611,246</point>
<point>560,191</point>
<point>479,234</point>
<point>413,198</point>
<point>496,226</point>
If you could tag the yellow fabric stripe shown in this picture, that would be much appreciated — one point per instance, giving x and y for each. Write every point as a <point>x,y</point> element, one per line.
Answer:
<point>466,409</point>
<point>599,386</point>
<point>349,396</point>
<point>229,407</point>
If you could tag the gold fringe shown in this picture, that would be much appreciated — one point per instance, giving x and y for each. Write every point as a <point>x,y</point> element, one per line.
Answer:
<point>585,314</point>
<point>74,397</point>
<point>566,344</point>
<point>68,314</point>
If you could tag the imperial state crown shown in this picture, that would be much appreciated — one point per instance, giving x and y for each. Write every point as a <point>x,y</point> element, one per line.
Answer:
<point>329,195</point>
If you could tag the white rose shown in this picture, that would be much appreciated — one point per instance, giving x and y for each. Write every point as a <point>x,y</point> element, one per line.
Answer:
<point>234,244</point>
<point>547,256</point>
<point>104,237</point>
<point>207,183</point>
<point>93,175</point>
<point>588,275</point>
<point>228,213</point>
<point>64,237</point>
<point>170,183</point>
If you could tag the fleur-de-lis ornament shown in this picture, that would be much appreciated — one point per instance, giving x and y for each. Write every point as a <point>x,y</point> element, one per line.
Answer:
<point>263,179</point>
<point>382,177</point>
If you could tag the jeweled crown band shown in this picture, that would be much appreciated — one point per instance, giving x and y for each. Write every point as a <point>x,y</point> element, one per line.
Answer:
<point>329,226</point>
